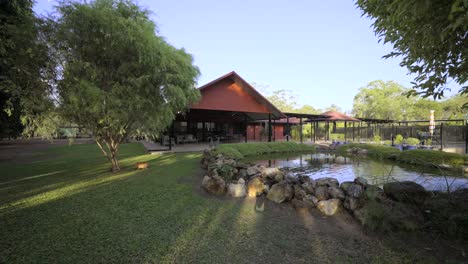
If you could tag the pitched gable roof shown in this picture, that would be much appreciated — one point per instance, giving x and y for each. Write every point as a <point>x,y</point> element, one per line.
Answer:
<point>232,93</point>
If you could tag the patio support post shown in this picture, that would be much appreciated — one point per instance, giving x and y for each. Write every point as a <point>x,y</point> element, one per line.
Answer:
<point>245,133</point>
<point>287,126</point>
<point>315,131</point>
<point>392,135</point>
<point>345,130</point>
<point>203,132</point>
<point>254,132</point>
<point>269,127</point>
<point>300,132</point>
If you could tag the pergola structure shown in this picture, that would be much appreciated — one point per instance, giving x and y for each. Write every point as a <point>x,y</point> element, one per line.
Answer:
<point>332,117</point>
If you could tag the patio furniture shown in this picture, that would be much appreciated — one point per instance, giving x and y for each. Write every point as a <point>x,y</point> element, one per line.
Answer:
<point>180,139</point>
<point>190,139</point>
<point>166,141</point>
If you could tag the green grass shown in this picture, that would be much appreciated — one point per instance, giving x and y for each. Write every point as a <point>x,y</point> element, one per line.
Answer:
<point>415,157</point>
<point>243,150</point>
<point>374,150</point>
<point>68,208</point>
<point>430,157</point>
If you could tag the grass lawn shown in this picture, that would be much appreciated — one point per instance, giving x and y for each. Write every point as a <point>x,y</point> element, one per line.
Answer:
<point>66,207</point>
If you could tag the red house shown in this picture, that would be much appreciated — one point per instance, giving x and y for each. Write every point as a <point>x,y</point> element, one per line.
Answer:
<point>231,110</point>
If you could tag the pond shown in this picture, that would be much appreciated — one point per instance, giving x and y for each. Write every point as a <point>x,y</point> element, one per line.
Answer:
<point>320,165</point>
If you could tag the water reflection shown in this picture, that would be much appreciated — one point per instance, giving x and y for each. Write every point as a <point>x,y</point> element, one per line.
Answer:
<point>346,169</point>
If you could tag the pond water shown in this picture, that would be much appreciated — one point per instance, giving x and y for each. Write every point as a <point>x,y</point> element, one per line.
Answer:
<point>320,165</point>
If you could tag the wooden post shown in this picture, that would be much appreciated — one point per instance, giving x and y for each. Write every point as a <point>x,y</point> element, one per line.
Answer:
<point>203,131</point>
<point>269,127</point>
<point>254,132</point>
<point>287,128</point>
<point>300,132</point>
<point>245,133</point>
<point>345,130</point>
<point>274,130</point>
<point>353,131</point>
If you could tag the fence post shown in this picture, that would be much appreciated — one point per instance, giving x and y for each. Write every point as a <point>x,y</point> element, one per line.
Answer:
<point>441,136</point>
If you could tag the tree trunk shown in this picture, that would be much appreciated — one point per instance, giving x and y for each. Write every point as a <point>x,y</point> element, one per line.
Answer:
<point>115,163</point>
<point>110,153</point>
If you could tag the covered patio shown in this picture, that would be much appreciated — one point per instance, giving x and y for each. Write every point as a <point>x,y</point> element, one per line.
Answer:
<point>226,108</point>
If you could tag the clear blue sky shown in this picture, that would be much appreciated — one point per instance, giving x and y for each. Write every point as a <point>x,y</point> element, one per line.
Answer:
<point>323,51</point>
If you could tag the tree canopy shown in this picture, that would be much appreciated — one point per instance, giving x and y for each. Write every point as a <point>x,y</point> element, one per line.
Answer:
<point>117,74</point>
<point>25,68</point>
<point>430,36</point>
<point>387,100</point>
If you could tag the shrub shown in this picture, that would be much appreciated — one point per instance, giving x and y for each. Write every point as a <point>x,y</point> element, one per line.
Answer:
<point>428,142</point>
<point>398,139</point>
<point>412,141</point>
<point>337,136</point>
<point>377,139</point>
<point>388,142</point>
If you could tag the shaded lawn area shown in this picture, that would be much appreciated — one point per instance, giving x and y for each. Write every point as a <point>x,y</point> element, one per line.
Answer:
<point>68,208</point>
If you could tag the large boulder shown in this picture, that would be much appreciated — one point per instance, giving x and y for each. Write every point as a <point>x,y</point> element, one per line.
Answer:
<point>406,191</point>
<point>243,173</point>
<point>274,174</point>
<point>308,187</point>
<point>351,203</point>
<point>255,187</point>
<point>311,200</point>
<point>361,181</point>
<point>321,193</point>
<point>373,192</point>
<point>336,192</point>
<point>280,192</point>
<point>214,185</point>
<point>303,178</point>
<point>355,190</point>
<point>329,207</point>
<point>236,189</point>
<point>299,193</point>
<point>252,170</point>
<point>327,181</point>
<point>291,178</point>
<point>344,185</point>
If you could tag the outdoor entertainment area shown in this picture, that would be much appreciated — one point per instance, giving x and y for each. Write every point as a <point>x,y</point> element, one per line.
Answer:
<point>231,111</point>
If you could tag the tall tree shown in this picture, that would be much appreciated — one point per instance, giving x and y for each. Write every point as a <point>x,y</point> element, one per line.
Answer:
<point>382,100</point>
<point>25,68</point>
<point>307,109</point>
<point>430,36</point>
<point>285,100</point>
<point>333,107</point>
<point>118,75</point>
<point>387,100</point>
